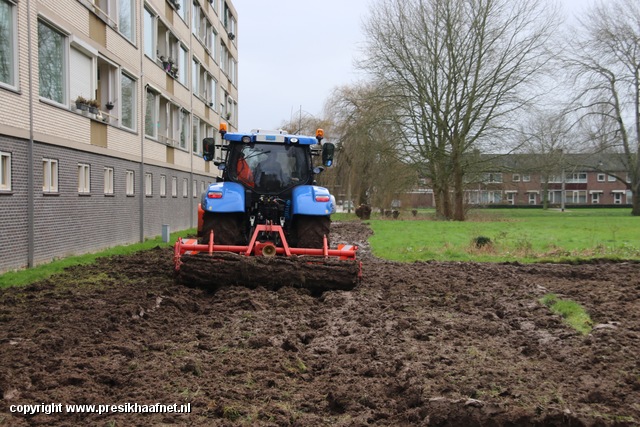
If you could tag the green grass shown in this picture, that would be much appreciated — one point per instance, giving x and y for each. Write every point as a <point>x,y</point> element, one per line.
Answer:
<point>40,272</point>
<point>572,312</point>
<point>523,235</point>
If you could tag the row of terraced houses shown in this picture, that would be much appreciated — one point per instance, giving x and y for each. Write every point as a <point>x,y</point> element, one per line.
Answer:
<point>525,180</point>
<point>105,104</point>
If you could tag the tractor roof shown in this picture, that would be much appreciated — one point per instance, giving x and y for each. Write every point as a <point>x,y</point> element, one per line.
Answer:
<point>276,136</point>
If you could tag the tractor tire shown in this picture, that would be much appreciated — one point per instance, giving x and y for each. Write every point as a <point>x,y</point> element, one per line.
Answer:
<point>227,228</point>
<point>310,231</point>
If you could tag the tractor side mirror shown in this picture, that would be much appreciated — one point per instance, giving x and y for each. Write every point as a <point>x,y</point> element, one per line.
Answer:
<point>327,154</point>
<point>208,149</point>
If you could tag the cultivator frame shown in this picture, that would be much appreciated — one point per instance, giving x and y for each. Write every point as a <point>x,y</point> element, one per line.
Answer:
<point>266,249</point>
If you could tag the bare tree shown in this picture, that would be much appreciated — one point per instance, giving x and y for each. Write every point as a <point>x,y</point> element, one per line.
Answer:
<point>458,70</point>
<point>606,60</point>
<point>369,166</point>
<point>546,139</point>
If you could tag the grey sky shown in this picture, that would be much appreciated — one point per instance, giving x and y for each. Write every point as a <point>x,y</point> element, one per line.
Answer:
<point>293,53</point>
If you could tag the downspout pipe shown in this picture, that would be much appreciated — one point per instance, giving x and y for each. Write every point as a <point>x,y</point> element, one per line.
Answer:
<point>30,158</point>
<point>143,115</point>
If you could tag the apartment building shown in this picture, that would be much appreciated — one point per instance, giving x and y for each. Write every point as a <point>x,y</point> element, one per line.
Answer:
<point>524,180</point>
<point>105,106</point>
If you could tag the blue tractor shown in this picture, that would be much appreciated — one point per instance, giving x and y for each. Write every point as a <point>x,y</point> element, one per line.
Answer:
<point>266,222</point>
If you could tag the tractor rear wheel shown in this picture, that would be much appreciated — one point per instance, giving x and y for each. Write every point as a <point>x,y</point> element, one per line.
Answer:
<point>227,228</point>
<point>310,230</point>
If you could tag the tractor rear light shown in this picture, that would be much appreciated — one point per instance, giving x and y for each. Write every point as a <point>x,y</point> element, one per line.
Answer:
<point>215,195</point>
<point>322,198</point>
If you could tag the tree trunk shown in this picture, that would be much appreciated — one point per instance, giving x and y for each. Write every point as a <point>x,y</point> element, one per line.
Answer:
<point>458,188</point>
<point>635,199</point>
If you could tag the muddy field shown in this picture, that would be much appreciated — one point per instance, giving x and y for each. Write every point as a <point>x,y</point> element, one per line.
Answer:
<point>413,344</point>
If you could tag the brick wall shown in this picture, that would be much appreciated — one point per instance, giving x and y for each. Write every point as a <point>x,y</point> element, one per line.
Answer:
<point>69,223</point>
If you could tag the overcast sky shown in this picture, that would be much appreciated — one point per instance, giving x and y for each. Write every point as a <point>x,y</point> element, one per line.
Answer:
<point>293,53</point>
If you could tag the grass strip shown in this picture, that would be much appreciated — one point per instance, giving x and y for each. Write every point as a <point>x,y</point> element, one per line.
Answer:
<point>44,271</point>
<point>572,312</point>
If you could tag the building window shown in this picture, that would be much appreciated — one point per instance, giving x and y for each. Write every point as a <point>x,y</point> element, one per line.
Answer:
<point>160,44</point>
<point>532,198</point>
<point>183,10</point>
<point>108,180</point>
<point>611,178</point>
<point>174,186</point>
<point>185,187</point>
<point>183,64</point>
<point>130,183</point>
<point>195,188</point>
<point>151,114</point>
<point>601,177</point>
<point>492,178</point>
<point>148,184</point>
<point>50,175</point>
<point>8,39</point>
<point>195,18</point>
<point>195,133</point>
<point>149,34</point>
<point>577,197</point>
<point>128,101</point>
<point>202,187</point>
<point>163,186</point>
<point>84,179</point>
<point>511,198</point>
<point>573,178</point>
<point>595,198</point>
<point>126,19</point>
<point>51,63</point>
<point>195,77</point>
<point>107,83</point>
<point>184,128</point>
<point>526,178</point>
<point>617,198</point>
<point>168,122</point>
<point>515,177</point>
<point>5,171</point>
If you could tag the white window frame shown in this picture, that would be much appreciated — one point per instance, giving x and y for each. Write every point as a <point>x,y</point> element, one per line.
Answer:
<point>611,178</point>
<point>152,107</point>
<point>515,177</point>
<point>185,129</point>
<point>13,46</point>
<point>196,137</point>
<point>5,171</point>
<point>526,178</point>
<point>149,18</point>
<point>50,175</point>
<point>183,65</point>
<point>617,198</point>
<point>108,180</point>
<point>130,183</point>
<point>533,198</point>
<point>601,177</point>
<point>163,186</point>
<point>174,186</point>
<point>132,7</point>
<point>65,63</point>
<point>148,184</point>
<point>595,198</point>
<point>194,188</point>
<point>185,187</point>
<point>84,178</point>
<point>134,101</point>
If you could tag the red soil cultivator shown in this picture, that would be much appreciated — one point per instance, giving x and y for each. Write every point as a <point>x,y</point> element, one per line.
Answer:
<point>266,261</point>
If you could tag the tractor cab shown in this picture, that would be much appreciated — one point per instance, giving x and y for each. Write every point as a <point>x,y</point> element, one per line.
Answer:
<point>269,168</point>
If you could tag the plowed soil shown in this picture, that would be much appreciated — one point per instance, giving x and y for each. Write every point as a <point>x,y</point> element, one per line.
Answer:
<point>414,344</point>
